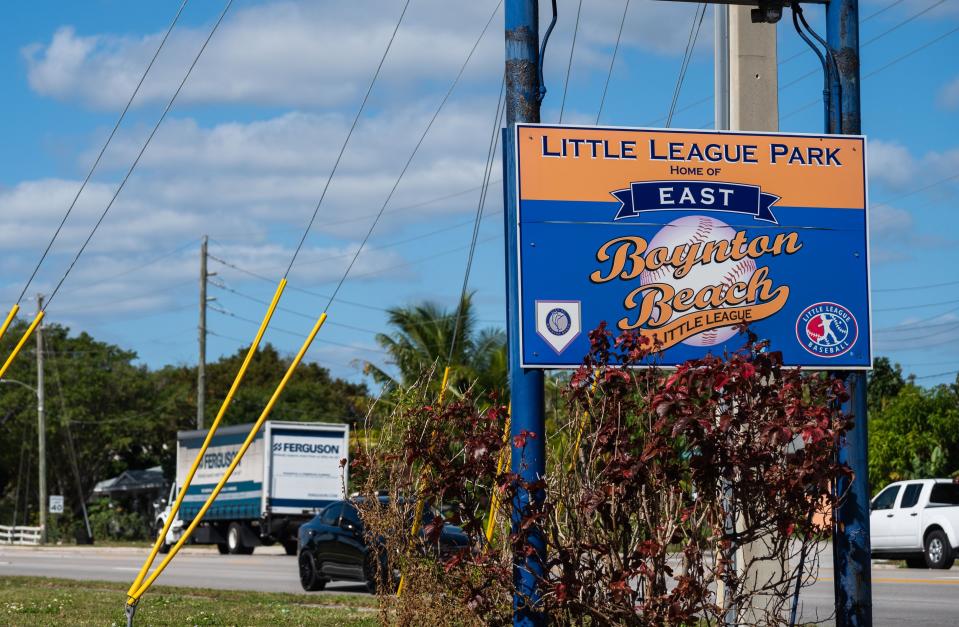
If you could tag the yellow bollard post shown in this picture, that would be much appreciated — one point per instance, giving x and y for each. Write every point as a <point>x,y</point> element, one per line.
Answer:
<point>133,598</point>
<point>420,498</point>
<point>23,340</point>
<point>10,317</point>
<point>209,436</point>
<point>494,502</point>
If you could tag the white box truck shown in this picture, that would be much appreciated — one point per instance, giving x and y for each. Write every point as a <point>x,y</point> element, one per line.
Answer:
<point>290,472</point>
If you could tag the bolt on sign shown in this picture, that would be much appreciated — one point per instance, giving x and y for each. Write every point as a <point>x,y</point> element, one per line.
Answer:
<point>683,235</point>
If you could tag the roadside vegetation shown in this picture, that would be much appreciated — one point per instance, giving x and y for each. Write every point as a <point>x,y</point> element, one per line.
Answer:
<point>43,601</point>
<point>637,509</point>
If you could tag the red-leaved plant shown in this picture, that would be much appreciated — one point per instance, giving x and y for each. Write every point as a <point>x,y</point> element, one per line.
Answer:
<point>675,497</point>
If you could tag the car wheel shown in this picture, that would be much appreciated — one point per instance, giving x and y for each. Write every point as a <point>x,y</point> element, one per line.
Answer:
<point>234,541</point>
<point>310,577</point>
<point>290,547</point>
<point>915,562</point>
<point>938,552</point>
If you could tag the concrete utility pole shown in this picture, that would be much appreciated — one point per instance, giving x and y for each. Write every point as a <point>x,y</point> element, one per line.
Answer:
<point>41,429</point>
<point>747,99</point>
<point>851,542</point>
<point>201,359</point>
<point>526,385</point>
<point>753,74</point>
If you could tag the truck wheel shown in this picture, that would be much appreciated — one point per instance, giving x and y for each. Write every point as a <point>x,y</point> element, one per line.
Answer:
<point>938,552</point>
<point>222,548</point>
<point>915,562</point>
<point>310,577</point>
<point>234,541</point>
<point>157,529</point>
<point>290,547</point>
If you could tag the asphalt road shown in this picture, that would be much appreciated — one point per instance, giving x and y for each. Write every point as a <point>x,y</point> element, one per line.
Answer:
<point>900,596</point>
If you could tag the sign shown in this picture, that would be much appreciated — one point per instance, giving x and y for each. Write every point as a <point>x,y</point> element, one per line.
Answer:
<point>56,504</point>
<point>683,235</point>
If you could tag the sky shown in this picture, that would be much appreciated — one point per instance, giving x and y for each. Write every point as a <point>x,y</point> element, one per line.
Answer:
<point>247,148</point>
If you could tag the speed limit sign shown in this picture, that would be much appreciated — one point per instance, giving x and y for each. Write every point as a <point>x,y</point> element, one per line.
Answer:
<point>56,503</point>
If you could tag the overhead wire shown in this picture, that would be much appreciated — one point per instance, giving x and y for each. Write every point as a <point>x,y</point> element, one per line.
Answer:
<point>137,592</point>
<point>480,205</point>
<point>866,43</point>
<point>103,149</point>
<point>687,56</point>
<point>346,141</point>
<point>802,52</point>
<point>612,62</point>
<point>156,127</point>
<point>39,315</point>
<point>886,66</point>
<point>409,161</point>
<point>569,65</point>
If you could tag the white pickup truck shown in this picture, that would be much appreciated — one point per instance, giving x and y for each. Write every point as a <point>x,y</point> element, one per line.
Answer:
<point>917,521</point>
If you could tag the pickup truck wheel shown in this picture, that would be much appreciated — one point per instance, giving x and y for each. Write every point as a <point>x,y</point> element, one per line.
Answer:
<point>938,552</point>
<point>157,530</point>
<point>310,577</point>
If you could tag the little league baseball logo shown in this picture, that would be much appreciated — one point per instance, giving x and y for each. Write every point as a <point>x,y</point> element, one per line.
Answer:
<point>827,329</point>
<point>558,321</point>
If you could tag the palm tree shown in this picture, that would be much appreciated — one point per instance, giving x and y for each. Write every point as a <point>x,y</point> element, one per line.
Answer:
<point>420,345</point>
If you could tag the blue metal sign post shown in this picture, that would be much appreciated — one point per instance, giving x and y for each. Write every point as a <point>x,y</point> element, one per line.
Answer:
<point>526,385</point>
<point>851,541</point>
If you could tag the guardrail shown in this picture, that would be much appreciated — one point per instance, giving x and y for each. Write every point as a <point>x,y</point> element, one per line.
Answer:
<point>20,535</point>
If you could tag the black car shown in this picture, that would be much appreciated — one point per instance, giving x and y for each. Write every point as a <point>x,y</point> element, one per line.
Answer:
<point>333,547</point>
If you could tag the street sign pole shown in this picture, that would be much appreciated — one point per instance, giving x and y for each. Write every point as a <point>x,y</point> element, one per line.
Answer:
<point>526,385</point>
<point>851,544</point>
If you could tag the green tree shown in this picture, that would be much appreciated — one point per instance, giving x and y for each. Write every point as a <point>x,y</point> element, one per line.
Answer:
<point>109,414</point>
<point>883,383</point>
<point>914,435</point>
<point>420,345</point>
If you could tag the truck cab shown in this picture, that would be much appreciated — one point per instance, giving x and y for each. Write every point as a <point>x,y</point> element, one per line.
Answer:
<point>916,521</point>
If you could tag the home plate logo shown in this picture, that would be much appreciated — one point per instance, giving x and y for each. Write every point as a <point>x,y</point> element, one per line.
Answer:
<point>558,322</point>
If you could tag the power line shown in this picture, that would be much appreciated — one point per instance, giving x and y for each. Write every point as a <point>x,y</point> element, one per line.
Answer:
<point>687,55</point>
<point>938,374</point>
<point>294,312</point>
<point>230,314</point>
<point>416,148</point>
<point>916,191</point>
<point>147,264</point>
<point>880,69</point>
<point>346,141</point>
<point>612,62</point>
<point>804,51</point>
<point>917,287</point>
<point>490,157</point>
<point>569,65</point>
<point>126,177</point>
<point>919,306</point>
<point>308,292</point>
<point>103,149</point>
<point>869,41</point>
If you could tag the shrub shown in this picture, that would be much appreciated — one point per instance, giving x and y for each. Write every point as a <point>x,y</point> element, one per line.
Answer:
<point>684,493</point>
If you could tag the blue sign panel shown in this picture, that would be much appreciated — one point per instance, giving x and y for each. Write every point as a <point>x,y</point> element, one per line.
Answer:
<point>682,236</point>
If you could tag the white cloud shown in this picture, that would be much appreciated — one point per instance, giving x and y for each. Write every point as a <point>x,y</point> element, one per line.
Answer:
<point>948,97</point>
<point>304,53</point>
<point>891,163</point>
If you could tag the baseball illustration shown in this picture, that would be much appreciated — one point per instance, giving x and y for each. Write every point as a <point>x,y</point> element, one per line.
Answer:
<point>684,232</point>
